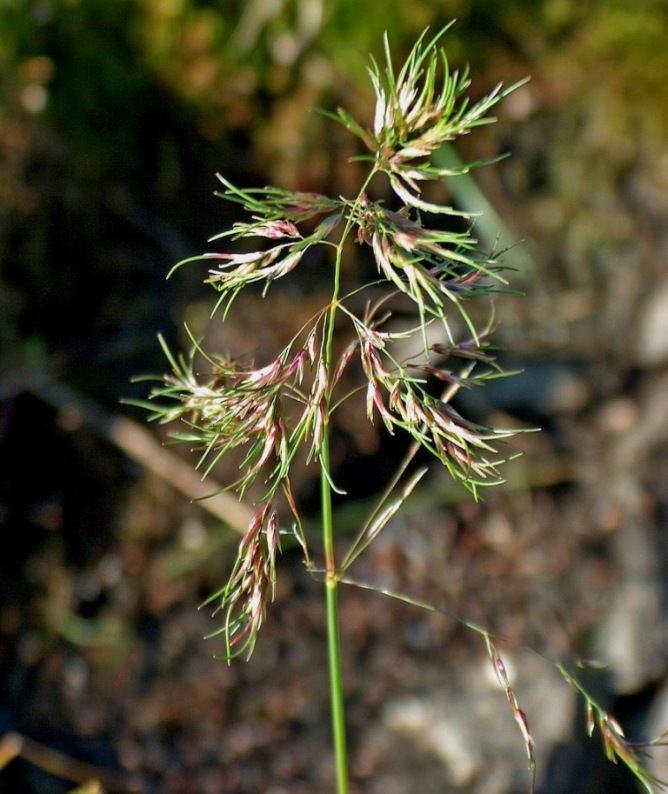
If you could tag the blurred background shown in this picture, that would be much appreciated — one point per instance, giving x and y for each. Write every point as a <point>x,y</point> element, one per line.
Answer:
<point>115,116</point>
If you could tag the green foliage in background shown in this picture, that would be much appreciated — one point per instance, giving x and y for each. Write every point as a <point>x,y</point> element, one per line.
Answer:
<point>110,76</point>
<point>91,68</point>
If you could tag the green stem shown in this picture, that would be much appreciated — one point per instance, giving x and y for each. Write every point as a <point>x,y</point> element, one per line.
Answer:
<point>331,571</point>
<point>331,574</point>
<point>333,640</point>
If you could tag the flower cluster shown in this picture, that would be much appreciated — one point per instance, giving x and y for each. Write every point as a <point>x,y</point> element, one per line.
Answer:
<point>398,393</point>
<point>434,268</point>
<point>275,214</point>
<point>267,413</point>
<point>244,597</point>
<point>235,407</point>
<point>416,114</point>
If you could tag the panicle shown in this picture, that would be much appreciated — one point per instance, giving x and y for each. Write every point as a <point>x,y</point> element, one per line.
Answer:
<point>417,111</point>
<point>243,599</point>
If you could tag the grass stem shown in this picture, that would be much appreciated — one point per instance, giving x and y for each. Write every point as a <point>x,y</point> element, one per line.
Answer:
<point>333,640</point>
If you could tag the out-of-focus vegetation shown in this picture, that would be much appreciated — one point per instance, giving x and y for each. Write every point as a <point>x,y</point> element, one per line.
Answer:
<point>109,77</point>
<point>116,81</point>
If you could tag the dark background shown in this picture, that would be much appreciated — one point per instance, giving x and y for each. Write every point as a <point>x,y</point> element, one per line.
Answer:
<point>114,118</point>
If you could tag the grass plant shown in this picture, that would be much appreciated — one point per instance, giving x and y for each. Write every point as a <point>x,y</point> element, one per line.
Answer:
<point>278,408</point>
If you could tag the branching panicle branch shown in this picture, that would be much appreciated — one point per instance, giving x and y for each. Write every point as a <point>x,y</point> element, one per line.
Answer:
<point>270,412</point>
